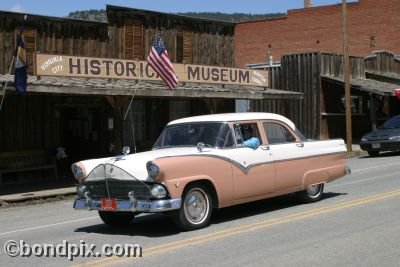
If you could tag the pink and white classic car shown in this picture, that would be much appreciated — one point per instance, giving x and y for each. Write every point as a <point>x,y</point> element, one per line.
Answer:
<point>203,163</point>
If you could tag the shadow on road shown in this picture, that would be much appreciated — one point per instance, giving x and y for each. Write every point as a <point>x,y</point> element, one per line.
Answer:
<point>150,225</point>
<point>156,225</point>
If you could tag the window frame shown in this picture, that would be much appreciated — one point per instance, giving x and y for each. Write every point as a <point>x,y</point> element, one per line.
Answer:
<point>256,129</point>
<point>297,139</point>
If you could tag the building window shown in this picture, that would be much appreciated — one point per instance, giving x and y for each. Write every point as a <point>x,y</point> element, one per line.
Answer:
<point>357,106</point>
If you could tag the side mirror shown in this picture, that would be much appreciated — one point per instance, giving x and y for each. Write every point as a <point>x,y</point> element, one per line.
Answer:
<point>200,146</point>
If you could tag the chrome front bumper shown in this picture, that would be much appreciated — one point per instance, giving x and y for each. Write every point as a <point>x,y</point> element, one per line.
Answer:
<point>132,205</point>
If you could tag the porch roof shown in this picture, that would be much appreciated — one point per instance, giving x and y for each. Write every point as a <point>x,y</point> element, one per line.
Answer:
<point>366,85</point>
<point>95,86</point>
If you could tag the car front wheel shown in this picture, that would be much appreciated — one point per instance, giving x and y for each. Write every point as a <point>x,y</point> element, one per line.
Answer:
<point>313,193</point>
<point>196,209</point>
<point>119,218</point>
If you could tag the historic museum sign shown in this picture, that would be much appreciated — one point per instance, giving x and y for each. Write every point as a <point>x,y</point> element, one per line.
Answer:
<point>62,65</point>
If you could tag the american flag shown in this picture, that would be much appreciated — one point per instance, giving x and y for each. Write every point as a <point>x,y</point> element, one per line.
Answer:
<point>159,60</point>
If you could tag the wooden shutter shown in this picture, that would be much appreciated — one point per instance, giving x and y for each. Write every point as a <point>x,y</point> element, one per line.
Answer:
<point>187,46</point>
<point>128,41</point>
<point>138,40</point>
<point>179,45</point>
<point>133,41</point>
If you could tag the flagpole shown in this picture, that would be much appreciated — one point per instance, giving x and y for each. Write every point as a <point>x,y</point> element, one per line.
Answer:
<point>134,92</point>
<point>5,85</point>
<point>129,107</point>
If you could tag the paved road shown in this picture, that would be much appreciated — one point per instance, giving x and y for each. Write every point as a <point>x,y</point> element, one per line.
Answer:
<point>357,224</point>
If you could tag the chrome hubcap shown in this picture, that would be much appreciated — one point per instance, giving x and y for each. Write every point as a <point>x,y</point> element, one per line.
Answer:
<point>314,190</point>
<point>196,206</point>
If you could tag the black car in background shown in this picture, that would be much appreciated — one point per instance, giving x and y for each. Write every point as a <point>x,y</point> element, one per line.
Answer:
<point>385,138</point>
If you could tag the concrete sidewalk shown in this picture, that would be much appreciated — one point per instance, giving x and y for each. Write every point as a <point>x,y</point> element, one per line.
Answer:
<point>68,191</point>
<point>356,152</point>
<point>38,194</point>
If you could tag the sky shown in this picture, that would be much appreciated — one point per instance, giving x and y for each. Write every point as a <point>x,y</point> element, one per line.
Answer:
<point>61,8</point>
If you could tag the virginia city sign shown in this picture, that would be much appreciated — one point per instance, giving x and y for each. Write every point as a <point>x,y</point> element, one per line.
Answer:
<point>61,65</point>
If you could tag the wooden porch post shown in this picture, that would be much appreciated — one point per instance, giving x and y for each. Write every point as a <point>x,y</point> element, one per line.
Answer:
<point>373,112</point>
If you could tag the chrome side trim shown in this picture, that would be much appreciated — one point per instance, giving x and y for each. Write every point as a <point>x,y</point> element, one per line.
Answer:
<point>131,205</point>
<point>247,168</point>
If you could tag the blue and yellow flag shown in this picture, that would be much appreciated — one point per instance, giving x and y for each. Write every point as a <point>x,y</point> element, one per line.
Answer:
<point>21,62</point>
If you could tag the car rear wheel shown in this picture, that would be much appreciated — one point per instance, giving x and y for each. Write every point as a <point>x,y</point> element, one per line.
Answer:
<point>118,218</point>
<point>196,209</point>
<point>373,153</point>
<point>311,194</point>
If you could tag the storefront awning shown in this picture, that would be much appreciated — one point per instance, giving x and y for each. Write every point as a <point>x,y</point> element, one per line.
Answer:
<point>95,86</point>
<point>366,85</point>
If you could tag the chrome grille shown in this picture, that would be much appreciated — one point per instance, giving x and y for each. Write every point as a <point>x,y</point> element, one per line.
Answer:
<point>118,189</point>
<point>119,182</point>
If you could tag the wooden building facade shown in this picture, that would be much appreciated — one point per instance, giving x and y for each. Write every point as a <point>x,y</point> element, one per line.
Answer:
<point>319,76</point>
<point>92,117</point>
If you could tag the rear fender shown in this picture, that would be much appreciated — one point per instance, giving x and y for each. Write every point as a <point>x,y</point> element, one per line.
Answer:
<point>323,175</point>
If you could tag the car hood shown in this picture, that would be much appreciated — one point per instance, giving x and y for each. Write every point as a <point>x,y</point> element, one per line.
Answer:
<point>134,164</point>
<point>382,134</point>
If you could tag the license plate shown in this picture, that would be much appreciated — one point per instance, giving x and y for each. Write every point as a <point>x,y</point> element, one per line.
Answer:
<point>377,145</point>
<point>108,204</point>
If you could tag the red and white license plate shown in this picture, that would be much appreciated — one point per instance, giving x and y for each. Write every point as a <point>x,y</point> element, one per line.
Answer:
<point>108,204</point>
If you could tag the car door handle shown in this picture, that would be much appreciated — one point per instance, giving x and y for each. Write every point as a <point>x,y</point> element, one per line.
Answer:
<point>265,147</point>
<point>299,144</point>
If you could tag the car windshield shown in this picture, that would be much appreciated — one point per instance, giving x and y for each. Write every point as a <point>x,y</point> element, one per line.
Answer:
<point>212,134</point>
<point>392,123</point>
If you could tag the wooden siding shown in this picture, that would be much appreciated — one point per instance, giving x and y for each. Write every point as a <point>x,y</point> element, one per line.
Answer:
<point>383,62</point>
<point>51,35</point>
<point>187,40</point>
<point>298,73</point>
<point>194,47</point>
<point>332,65</point>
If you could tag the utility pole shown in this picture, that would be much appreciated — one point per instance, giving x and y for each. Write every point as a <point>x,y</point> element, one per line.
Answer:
<point>346,73</point>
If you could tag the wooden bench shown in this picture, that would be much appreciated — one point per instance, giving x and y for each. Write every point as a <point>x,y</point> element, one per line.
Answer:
<point>24,161</point>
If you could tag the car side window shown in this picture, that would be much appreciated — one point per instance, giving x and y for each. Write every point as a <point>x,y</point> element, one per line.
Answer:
<point>277,134</point>
<point>246,131</point>
<point>288,135</point>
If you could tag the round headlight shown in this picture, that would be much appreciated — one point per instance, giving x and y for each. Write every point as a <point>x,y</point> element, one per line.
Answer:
<point>80,190</point>
<point>78,171</point>
<point>152,169</point>
<point>158,191</point>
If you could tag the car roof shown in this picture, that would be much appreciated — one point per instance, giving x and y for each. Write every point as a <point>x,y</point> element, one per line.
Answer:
<point>239,116</point>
